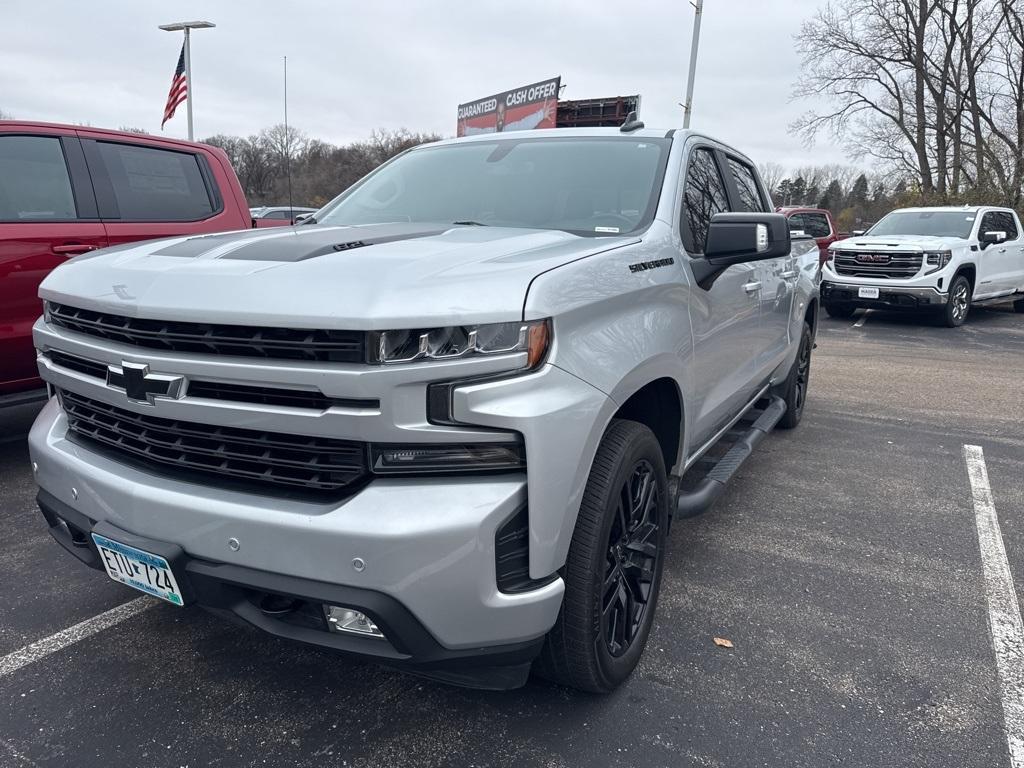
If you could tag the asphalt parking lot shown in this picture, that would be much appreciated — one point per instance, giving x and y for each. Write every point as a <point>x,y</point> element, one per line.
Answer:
<point>843,564</point>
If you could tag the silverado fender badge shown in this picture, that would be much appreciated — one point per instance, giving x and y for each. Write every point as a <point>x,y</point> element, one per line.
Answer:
<point>643,266</point>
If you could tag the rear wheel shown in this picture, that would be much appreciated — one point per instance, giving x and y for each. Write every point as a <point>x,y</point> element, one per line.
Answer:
<point>794,390</point>
<point>613,571</point>
<point>840,311</point>
<point>958,303</point>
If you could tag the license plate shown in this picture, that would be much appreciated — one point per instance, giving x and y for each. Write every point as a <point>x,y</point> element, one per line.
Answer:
<point>867,293</point>
<point>142,570</point>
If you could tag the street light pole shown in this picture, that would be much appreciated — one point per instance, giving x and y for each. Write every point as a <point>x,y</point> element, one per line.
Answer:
<point>187,26</point>
<point>698,8</point>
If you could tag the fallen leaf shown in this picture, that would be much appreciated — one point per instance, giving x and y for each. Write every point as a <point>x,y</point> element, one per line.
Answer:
<point>721,642</point>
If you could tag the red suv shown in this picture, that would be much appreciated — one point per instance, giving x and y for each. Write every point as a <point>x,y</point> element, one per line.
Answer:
<point>66,190</point>
<point>816,222</point>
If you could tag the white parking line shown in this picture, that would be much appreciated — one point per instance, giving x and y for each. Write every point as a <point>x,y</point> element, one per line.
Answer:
<point>43,648</point>
<point>1003,610</point>
<point>860,323</point>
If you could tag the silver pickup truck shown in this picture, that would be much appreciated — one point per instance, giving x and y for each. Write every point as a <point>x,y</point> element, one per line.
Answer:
<point>445,423</point>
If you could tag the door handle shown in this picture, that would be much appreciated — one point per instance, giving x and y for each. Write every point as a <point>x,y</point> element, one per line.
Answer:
<point>69,249</point>
<point>789,274</point>
<point>752,287</point>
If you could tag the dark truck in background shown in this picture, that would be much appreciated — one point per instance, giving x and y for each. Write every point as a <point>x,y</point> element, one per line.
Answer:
<point>67,190</point>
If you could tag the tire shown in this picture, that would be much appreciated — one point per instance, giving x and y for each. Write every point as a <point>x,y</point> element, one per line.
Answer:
<point>794,389</point>
<point>611,574</point>
<point>959,302</point>
<point>840,311</point>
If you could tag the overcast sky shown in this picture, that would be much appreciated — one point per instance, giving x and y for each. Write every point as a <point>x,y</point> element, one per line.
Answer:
<point>356,65</point>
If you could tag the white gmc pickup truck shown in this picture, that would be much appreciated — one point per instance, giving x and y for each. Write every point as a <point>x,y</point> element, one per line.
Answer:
<point>944,259</point>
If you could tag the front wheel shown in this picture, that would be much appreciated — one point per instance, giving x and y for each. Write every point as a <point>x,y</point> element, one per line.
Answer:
<point>958,303</point>
<point>613,571</point>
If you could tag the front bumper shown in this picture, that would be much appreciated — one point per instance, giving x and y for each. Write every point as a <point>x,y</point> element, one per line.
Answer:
<point>889,297</point>
<point>428,545</point>
<point>291,608</point>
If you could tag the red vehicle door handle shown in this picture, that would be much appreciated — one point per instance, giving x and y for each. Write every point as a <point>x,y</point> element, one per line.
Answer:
<point>69,249</point>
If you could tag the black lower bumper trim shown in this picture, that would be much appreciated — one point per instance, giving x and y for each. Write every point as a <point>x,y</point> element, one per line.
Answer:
<point>887,298</point>
<point>241,594</point>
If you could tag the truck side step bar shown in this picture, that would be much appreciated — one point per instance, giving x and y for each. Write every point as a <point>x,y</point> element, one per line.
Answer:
<point>712,485</point>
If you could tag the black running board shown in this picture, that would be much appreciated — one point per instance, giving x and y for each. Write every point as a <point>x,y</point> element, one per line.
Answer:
<point>707,491</point>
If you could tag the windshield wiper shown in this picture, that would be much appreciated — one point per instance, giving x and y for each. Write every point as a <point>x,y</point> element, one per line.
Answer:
<point>470,223</point>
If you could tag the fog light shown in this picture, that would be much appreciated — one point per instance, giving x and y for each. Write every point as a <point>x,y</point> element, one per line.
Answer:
<point>350,621</point>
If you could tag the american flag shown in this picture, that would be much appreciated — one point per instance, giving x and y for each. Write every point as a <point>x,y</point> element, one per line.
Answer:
<point>179,89</point>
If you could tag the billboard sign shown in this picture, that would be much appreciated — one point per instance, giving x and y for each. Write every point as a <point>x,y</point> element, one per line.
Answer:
<point>532,106</point>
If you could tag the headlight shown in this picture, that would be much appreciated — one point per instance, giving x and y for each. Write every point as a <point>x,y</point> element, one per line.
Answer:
<point>437,458</point>
<point>937,260</point>
<point>410,345</point>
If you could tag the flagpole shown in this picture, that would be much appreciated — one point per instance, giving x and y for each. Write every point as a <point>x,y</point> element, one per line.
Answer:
<point>188,82</point>
<point>187,26</point>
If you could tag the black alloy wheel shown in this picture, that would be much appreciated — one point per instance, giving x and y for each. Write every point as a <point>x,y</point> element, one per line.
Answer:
<point>613,570</point>
<point>630,560</point>
<point>794,389</point>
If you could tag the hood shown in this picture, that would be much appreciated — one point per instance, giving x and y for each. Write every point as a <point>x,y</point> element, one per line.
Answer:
<point>899,243</point>
<point>360,278</point>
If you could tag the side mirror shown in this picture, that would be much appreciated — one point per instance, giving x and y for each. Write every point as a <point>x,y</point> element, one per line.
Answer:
<point>738,238</point>
<point>300,217</point>
<point>857,232</point>
<point>991,238</point>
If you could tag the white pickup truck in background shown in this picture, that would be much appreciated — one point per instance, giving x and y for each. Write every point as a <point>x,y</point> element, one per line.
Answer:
<point>943,259</point>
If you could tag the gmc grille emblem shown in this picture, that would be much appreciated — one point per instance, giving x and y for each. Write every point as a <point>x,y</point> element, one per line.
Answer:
<point>873,258</point>
<point>141,385</point>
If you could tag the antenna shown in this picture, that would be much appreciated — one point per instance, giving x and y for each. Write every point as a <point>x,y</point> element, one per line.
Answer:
<point>288,145</point>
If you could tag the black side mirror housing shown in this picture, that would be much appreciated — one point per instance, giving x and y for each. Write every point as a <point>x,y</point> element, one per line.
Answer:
<point>738,238</point>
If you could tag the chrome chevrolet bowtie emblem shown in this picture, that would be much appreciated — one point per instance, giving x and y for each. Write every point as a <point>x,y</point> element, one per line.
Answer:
<point>141,385</point>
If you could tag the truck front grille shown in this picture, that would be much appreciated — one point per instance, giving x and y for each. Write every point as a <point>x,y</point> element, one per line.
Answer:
<point>884,265</point>
<point>264,460</point>
<point>209,338</point>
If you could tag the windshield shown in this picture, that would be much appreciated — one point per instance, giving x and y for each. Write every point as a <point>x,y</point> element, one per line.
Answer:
<point>587,186</point>
<point>932,223</point>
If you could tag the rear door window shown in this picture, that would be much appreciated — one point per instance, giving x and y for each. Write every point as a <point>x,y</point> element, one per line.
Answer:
<point>34,180</point>
<point>704,195</point>
<point>746,187</point>
<point>155,184</point>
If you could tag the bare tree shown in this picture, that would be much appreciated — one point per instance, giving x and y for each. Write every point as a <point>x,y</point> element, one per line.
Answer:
<point>771,175</point>
<point>932,89</point>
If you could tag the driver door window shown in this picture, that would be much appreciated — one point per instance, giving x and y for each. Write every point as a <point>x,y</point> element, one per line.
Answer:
<point>703,197</point>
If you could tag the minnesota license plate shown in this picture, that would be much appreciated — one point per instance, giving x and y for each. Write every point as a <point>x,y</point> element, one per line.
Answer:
<point>142,570</point>
<point>867,293</point>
